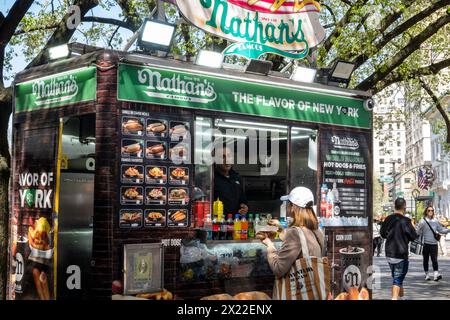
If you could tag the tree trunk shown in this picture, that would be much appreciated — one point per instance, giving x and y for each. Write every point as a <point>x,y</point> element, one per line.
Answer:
<point>5,111</point>
<point>4,219</point>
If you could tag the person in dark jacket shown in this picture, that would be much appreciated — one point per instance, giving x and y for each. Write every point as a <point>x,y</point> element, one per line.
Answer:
<point>398,232</point>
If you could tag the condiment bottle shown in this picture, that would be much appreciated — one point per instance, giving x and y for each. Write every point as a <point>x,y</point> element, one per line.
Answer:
<point>251,227</point>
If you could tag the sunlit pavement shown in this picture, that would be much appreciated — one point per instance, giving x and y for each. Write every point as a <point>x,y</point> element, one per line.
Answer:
<point>416,288</point>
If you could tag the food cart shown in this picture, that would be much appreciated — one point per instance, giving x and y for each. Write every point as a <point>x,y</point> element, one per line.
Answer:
<point>109,170</point>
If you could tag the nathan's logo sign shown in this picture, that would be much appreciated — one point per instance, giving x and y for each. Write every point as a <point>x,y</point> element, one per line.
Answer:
<point>176,87</point>
<point>344,143</point>
<point>289,25</point>
<point>56,90</point>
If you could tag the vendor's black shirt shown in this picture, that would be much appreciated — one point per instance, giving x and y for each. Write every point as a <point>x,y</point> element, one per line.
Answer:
<point>229,191</point>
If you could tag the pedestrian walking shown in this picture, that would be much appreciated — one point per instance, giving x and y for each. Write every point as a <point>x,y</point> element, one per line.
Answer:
<point>430,229</point>
<point>398,232</point>
<point>377,239</point>
<point>442,243</point>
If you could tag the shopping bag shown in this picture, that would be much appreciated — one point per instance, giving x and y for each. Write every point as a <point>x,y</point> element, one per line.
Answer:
<point>308,278</point>
<point>416,246</point>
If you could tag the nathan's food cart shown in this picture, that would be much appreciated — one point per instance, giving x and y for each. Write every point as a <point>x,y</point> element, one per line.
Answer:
<point>110,171</point>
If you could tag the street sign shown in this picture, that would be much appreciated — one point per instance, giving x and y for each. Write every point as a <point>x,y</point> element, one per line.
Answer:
<point>387,179</point>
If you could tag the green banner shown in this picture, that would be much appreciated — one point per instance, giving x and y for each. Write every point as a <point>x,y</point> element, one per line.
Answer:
<point>253,50</point>
<point>56,90</point>
<point>193,90</point>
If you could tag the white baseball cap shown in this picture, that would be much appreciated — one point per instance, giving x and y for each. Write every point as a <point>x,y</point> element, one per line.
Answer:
<point>299,196</point>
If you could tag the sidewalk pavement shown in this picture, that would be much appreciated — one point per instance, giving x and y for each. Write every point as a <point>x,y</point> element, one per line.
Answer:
<point>415,286</point>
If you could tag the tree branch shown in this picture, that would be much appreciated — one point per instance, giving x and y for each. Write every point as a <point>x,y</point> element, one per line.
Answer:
<point>131,16</point>
<point>439,106</point>
<point>62,33</point>
<point>395,77</point>
<point>114,22</point>
<point>402,28</point>
<point>403,54</point>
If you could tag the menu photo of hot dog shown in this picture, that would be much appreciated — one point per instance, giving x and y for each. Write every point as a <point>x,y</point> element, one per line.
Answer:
<point>155,195</point>
<point>155,175</point>
<point>177,218</point>
<point>154,218</point>
<point>179,175</point>
<point>132,195</point>
<point>132,174</point>
<point>156,150</point>
<point>157,128</point>
<point>179,152</point>
<point>130,218</point>
<point>178,130</point>
<point>178,196</point>
<point>133,126</point>
<point>132,148</point>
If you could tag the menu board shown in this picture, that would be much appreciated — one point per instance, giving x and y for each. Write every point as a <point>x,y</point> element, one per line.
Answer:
<point>345,180</point>
<point>155,171</point>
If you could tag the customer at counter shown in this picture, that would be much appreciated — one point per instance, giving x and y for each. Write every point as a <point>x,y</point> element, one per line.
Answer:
<point>228,184</point>
<point>303,227</point>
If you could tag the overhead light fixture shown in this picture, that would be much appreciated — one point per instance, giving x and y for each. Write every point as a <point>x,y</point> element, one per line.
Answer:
<point>341,71</point>
<point>156,35</point>
<point>302,74</point>
<point>209,59</point>
<point>59,52</point>
<point>259,66</point>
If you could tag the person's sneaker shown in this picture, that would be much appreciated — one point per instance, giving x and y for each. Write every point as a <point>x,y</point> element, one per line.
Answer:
<point>402,298</point>
<point>427,277</point>
<point>437,276</point>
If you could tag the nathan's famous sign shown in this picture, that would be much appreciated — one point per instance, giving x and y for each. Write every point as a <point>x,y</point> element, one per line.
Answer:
<point>288,25</point>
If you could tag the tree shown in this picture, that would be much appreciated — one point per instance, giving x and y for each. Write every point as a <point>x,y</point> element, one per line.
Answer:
<point>385,39</point>
<point>378,196</point>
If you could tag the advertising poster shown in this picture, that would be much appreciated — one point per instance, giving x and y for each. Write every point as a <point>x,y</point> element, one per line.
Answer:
<point>345,180</point>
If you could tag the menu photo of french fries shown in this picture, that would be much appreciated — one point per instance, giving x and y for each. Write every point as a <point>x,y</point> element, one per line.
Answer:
<point>155,218</point>
<point>133,126</point>
<point>132,174</point>
<point>132,195</point>
<point>179,175</point>
<point>130,218</point>
<point>155,174</point>
<point>177,218</point>
<point>155,195</point>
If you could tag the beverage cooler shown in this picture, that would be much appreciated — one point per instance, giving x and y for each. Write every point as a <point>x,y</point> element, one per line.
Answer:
<point>122,200</point>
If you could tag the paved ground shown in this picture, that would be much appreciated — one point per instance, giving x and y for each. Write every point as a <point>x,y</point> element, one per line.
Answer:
<point>416,288</point>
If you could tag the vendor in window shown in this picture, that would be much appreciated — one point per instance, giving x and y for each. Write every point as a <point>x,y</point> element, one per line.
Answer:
<point>228,183</point>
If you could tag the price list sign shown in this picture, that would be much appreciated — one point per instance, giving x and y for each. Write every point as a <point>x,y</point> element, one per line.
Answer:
<point>345,180</point>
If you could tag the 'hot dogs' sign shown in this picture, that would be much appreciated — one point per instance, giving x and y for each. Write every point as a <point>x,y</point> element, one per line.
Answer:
<point>289,25</point>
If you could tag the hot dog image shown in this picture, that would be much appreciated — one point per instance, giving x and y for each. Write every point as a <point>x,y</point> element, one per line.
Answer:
<point>156,150</point>
<point>178,151</point>
<point>41,283</point>
<point>178,130</point>
<point>156,127</point>
<point>178,215</point>
<point>132,125</point>
<point>132,148</point>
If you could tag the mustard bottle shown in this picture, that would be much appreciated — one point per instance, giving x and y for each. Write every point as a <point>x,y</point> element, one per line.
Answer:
<point>218,208</point>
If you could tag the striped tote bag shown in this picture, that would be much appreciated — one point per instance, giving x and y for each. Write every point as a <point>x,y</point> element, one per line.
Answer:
<point>308,278</point>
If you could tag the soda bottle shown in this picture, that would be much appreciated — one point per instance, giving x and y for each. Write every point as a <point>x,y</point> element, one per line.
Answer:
<point>244,228</point>
<point>208,227</point>
<point>223,228</point>
<point>230,227</point>
<point>251,227</point>
<point>237,228</point>
<point>216,229</point>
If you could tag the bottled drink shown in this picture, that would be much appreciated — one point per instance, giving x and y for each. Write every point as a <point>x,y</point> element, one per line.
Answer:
<point>216,229</point>
<point>251,227</point>
<point>329,204</point>
<point>223,228</point>
<point>237,228</point>
<point>257,222</point>
<point>230,227</point>
<point>336,202</point>
<point>208,226</point>
<point>244,228</point>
